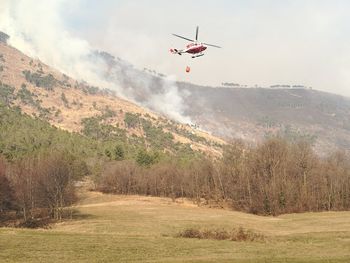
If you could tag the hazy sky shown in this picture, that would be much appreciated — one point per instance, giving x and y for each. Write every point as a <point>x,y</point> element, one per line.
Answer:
<point>265,42</point>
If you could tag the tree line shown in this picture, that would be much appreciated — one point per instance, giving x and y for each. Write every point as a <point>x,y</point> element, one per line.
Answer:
<point>272,178</point>
<point>37,189</point>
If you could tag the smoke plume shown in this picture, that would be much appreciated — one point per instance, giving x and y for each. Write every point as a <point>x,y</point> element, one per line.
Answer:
<point>36,27</point>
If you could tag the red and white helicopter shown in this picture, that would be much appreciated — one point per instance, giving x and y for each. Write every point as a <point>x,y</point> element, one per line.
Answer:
<point>195,48</point>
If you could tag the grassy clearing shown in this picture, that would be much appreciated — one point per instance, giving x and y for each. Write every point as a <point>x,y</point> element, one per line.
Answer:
<point>111,228</point>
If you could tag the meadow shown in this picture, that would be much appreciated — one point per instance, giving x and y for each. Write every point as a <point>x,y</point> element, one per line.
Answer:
<point>115,228</point>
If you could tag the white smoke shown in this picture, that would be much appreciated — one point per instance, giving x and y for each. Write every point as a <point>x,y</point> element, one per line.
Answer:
<point>169,100</point>
<point>36,27</point>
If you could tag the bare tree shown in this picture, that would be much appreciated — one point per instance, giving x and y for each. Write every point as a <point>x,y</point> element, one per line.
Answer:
<point>7,198</point>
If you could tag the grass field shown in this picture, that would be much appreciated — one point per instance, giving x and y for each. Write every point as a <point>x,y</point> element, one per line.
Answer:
<point>111,228</point>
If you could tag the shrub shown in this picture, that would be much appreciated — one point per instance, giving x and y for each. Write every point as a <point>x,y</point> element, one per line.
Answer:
<point>131,120</point>
<point>64,100</point>
<point>239,234</point>
<point>145,158</point>
<point>35,223</point>
<point>39,80</point>
<point>6,93</point>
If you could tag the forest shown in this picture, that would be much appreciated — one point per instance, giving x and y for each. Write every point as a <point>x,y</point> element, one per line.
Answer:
<point>272,178</point>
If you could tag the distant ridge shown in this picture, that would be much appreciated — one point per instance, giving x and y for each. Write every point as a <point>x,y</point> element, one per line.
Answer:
<point>255,113</point>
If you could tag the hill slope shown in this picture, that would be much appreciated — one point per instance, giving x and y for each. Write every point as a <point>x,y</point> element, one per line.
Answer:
<point>43,92</point>
<point>248,113</point>
<point>252,113</point>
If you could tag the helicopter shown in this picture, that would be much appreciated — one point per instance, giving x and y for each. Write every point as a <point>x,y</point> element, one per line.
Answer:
<point>195,48</point>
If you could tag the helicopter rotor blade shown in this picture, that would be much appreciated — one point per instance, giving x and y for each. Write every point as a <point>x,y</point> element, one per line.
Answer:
<point>197,29</point>
<point>184,38</point>
<point>210,45</point>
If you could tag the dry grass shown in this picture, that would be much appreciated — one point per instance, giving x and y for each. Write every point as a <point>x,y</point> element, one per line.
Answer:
<point>109,228</point>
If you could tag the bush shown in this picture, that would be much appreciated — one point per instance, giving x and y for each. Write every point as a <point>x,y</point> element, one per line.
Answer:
<point>39,80</point>
<point>239,234</point>
<point>26,96</point>
<point>119,152</point>
<point>131,120</point>
<point>6,93</point>
<point>35,223</point>
<point>145,158</point>
<point>64,100</point>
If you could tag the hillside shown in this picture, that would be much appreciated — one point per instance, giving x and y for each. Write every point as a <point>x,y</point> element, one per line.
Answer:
<point>254,113</point>
<point>248,113</point>
<point>41,91</point>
